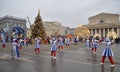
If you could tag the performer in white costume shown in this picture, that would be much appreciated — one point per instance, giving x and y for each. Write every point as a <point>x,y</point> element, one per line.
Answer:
<point>107,52</point>
<point>53,48</point>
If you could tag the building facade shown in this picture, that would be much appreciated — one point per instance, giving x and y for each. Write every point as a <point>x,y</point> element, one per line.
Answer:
<point>55,28</point>
<point>103,23</point>
<point>7,23</point>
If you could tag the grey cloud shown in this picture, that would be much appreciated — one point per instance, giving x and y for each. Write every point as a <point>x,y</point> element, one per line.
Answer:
<point>68,12</point>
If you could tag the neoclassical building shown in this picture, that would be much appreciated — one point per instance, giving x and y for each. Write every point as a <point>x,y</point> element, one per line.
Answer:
<point>103,23</point>
<point>55,27</point>
<point>7,23</point>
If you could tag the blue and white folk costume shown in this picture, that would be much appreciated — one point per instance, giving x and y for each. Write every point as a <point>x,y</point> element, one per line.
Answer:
<point>107,52</point>
<point>87,43</point>
<point>37,46</point>
<point>15,51</point>
<point>94,45</point>
<point>67,42</point>
<point>60,43</point>
<point>20,44</point>
<point>53,48</point>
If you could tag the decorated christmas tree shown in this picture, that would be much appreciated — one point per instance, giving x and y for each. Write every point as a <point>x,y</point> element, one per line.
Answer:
<point>37,29</point>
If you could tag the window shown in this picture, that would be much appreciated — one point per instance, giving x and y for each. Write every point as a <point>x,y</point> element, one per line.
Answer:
<point>101,21</point>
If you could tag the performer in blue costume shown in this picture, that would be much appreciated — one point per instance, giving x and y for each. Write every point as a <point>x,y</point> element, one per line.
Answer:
<point>17,31</point>
<point>37,45</point>
<point>107,52</point>
<point>60,43</point>
<point>94,45</point>
<point>15,51</point>
<point>53,48</point>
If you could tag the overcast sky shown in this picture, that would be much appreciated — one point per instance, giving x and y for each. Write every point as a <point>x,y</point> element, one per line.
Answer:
<point>68,12</point>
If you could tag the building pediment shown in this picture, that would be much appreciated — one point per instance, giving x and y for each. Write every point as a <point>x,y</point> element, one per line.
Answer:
<point>104,25</point>
<point>104,18</point>
<point>103,15</point>
<point>12,18</point>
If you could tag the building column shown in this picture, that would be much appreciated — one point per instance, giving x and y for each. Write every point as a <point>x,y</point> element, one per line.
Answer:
<point>100,32</point>
<point>103,32</point>
<point>113,29</point>
<point>91,32</point>
<point>118,32</point>
<point>95,31</point>
<point>108,29</point>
